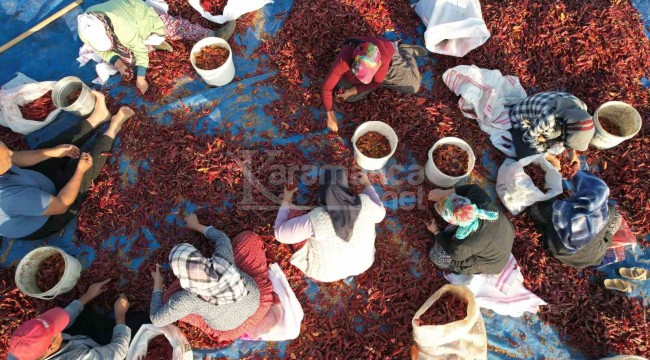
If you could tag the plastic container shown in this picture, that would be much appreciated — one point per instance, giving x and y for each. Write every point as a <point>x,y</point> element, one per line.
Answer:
<point>623,115</point>
<point>85,103</point>
<point>439,178</point>
<point>28,268</point>
<point>221,75</point>
<point>369,163</point>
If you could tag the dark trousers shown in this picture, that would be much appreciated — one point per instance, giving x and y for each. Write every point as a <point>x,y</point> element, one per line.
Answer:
<point>60,170</point>
<point>100,328</point>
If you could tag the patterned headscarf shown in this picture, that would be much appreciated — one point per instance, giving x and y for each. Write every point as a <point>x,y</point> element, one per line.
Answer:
<point>96,28</point>
<point>214,280</point>
<point>366,63</point>
<point>460,211</point>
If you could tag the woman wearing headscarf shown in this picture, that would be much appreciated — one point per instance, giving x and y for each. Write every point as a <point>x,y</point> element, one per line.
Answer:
<point>120,31</point>
<point>339,233</point>
<point>579,229</point>
<point>478,238</point>
<point>225,295</point>
<point>547,122</point>
<point>366,63</point>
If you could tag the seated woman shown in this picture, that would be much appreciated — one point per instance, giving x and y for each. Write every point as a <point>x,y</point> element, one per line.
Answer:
<point>120,30</point>
<point>225,295</point>
<point>478,239</point>
<point>546,121</point>
<point>41,190</point>
<point>578,230</point>
<point>366,63</point>
<point>339,234</point>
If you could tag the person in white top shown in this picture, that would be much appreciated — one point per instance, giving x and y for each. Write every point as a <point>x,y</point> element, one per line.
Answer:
<point>339,233</point>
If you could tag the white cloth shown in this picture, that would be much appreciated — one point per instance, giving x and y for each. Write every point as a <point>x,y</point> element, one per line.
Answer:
<point>232,11</point>
<point>504,293</point>
<point>104,70</point>
<point>94,31</point>
<point>326,257</point>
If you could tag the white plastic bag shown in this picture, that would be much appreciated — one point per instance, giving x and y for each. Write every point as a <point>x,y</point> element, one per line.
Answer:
<point>18,92</point>
<point>282,322</point>
<point>463,339</point>
<point>139,343</point>
<point>233,10</point>
<point>516,189</point>
<point>454,27</point>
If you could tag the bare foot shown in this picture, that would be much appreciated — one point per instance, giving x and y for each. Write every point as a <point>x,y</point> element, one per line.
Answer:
<point>118,120</point>
<point>101,113</point>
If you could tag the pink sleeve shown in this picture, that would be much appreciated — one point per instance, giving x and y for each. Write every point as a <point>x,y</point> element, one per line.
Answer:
<point>294,230</point>
<point>338,69</point>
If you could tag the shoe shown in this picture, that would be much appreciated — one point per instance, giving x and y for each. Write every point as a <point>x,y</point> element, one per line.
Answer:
<point>417,50</point>
<point>164,46</point>
<point>226,31</point>
<point>618,285</point>
<point>635,273</point>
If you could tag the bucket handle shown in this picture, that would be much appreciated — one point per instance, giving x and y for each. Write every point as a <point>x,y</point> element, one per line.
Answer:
<point>49,297</point>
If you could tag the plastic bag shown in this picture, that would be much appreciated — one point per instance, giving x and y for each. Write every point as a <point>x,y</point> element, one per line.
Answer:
<point>138,346</point>
<point>233,10</point>
<point>463,339</point>
<point>502,140</point>
<point>282,322</point>
<point>18,92</point>
<point>454,27</point>
<point>516,189</point>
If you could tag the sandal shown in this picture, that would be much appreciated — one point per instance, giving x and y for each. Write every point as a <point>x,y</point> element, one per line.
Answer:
<point>619,285</point>
<point>635,273</point>
<point>164,46</point>
<point>417,50</point>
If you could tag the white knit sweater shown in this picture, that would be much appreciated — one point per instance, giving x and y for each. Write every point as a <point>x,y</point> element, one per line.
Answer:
<point>326,257</point>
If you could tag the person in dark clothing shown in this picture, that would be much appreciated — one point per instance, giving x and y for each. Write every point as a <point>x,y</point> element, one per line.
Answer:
<point>478,239</point>
<point>578,230</point>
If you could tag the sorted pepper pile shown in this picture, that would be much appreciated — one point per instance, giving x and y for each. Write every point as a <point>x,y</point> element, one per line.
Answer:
<point>609,126</point>
<point>72,98</point>
<point>50,272</point>
<point>159,348</point>
<point>214,7</point>
<point>211,57</point>
<point>374,145</point>
<point>39,109</point>
<point>447,309</point>
<point>451,160</point>
<point>537,175</point>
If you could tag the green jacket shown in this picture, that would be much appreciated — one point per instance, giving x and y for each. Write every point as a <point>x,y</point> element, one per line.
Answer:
<point>133,21</point>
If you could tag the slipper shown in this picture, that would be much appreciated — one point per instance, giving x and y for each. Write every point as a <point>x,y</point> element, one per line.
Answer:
<point>619,285</point>
<point>635,273</point>
<point>164,46</point>
<point>417,50</point>
<point>226,31</point>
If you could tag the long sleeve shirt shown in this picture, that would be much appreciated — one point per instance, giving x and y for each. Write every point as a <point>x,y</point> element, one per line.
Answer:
<point>292,231</point>
<point>341,68</point>
<point>219,317</point>
<point>81,347</point>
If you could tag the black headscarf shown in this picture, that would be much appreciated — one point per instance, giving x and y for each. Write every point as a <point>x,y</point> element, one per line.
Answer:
<point>342,205</point>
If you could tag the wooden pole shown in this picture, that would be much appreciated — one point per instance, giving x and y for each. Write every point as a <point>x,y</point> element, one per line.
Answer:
<point>40,25</point>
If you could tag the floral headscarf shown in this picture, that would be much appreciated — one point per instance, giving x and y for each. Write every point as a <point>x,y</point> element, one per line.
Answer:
<point>366,63</point>
<point>460,211</point>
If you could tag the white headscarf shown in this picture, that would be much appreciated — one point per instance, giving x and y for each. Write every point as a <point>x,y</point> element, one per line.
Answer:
<point>94,31</point>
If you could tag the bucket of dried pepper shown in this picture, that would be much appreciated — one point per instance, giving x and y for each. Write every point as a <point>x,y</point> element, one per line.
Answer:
<point>160,343</point>
<point>46,272</point>
<point>374,143</point>
<point>450,160</point>
<point>449,325</point>
<point>72,95</point>
<point>615,122</point>
<point>212,59</point>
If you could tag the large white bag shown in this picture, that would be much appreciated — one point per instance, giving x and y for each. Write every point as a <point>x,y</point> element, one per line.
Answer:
<point>18,92</point>
<point>139,343</point>
<point>454,27</point>
<point>282,322</point>
<point>233,10</point>
<point>463,339</point>
<point>516,189</point>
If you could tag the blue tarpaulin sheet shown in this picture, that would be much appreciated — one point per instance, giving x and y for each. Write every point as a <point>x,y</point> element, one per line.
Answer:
<point>50,54</point>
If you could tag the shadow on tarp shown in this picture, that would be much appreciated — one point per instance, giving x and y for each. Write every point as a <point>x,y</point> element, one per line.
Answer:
<point>240,105</point>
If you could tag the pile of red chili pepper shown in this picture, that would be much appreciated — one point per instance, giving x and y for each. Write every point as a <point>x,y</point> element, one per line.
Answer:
<point>73,97</point>
<point>451,160</point>
<point>609,126</point>
<point>39,109</point>
<point>50,272</point>
<point>537,175</point>
<point>159,348</point>
<point>374,145</point>
<point>214,7</point>
<point>211,57</point>
<point>447,309</point>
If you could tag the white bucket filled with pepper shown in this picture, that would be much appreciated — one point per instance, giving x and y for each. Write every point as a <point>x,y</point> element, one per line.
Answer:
<point>450,160</point>
<point>374,143</point>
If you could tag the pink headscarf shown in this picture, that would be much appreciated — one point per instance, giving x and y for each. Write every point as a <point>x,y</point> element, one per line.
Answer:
<point>366,63</point>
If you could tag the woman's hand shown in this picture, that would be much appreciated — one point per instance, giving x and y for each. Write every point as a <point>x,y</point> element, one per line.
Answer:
<point>192,222</point>
<point>287,197</point>
<point>436,195</point>
<point>331,121</point>
<point>120,307</point>
<point>363,179</point>
<point>157,278</point>
<point>433,227</point>
<point>345,95</point>
<point>554,161</point>
<point>119,65</point>
<point>93,291</point>
<point>63,151</point>
<point>85,163</point>
<point>141,84</point>
<point>574,159</point>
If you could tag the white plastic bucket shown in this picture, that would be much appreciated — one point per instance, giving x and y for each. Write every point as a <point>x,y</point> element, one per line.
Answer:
<point>85,103</point>
<point>221,75</point>
<point>28,268</point>
<point>439,178</point>
<point>624,115</point>
<point>369,163</point>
